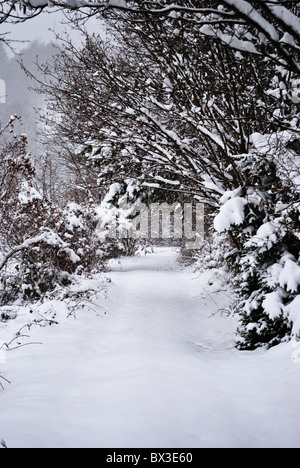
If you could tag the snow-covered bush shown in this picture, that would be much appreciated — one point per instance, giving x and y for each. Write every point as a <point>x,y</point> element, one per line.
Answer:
<point>62,246</point>
<point>116,214</point>
<point>262,218</point>
<point>77,226</point>
<point>41,245</point>
<point>195,112</point>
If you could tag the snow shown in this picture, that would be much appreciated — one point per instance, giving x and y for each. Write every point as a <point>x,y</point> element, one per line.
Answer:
<point>72,255</point>
<point>28,194</point>
<point>290,275</point>
<point>289,18</point>
<point>246,9</point>
<point>273,304</point>
<point>117,3</point>
<point>48,237</point>
<point>265,236</point>
<point>38,3</point>
<point>73,216</point>
<point>232,212</point>
<point>288,39</point>
<point>293,311</point>
<point>68,3</point>
<point>213,137</point>
<point>147,362</point>
<point>230,39</point>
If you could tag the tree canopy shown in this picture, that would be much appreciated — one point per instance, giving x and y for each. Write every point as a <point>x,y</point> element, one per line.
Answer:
<point>267,27</point>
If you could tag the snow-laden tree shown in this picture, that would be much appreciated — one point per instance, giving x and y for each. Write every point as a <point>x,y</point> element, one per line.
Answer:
<point>160,105</point>
<point>267,27</point>
<point>176,111</point>
<point>177,101</point>
<point>263,218</point>
<point>41,244</point>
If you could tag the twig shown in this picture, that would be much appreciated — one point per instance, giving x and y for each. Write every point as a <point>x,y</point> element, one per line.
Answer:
<point>3,443</point>
<point>221,311</point>
<point>25,344</point>
<point>1,377</point>
<point>15,338</point>
<point>85,303</point>
<point>51,321</point>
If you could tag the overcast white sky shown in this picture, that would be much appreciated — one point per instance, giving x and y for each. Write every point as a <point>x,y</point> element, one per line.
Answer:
<point>39,28</point>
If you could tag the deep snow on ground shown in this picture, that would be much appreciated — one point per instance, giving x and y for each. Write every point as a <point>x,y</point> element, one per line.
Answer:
<point>150,362</point>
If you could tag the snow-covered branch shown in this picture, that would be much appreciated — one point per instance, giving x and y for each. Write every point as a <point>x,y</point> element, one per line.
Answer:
<point>274,23</point>
<point>49,238</point>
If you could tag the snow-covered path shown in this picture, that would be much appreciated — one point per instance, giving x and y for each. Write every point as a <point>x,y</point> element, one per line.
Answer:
<point>157,370</point>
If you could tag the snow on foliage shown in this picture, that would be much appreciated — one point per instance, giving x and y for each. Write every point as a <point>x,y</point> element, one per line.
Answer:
<point>265,224</point>
<point>73,215</point>
<point>28,194</point>
<point>289,277</point>
<point>116,214</point>
<point>231,213</point>
<point>196,104</point>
